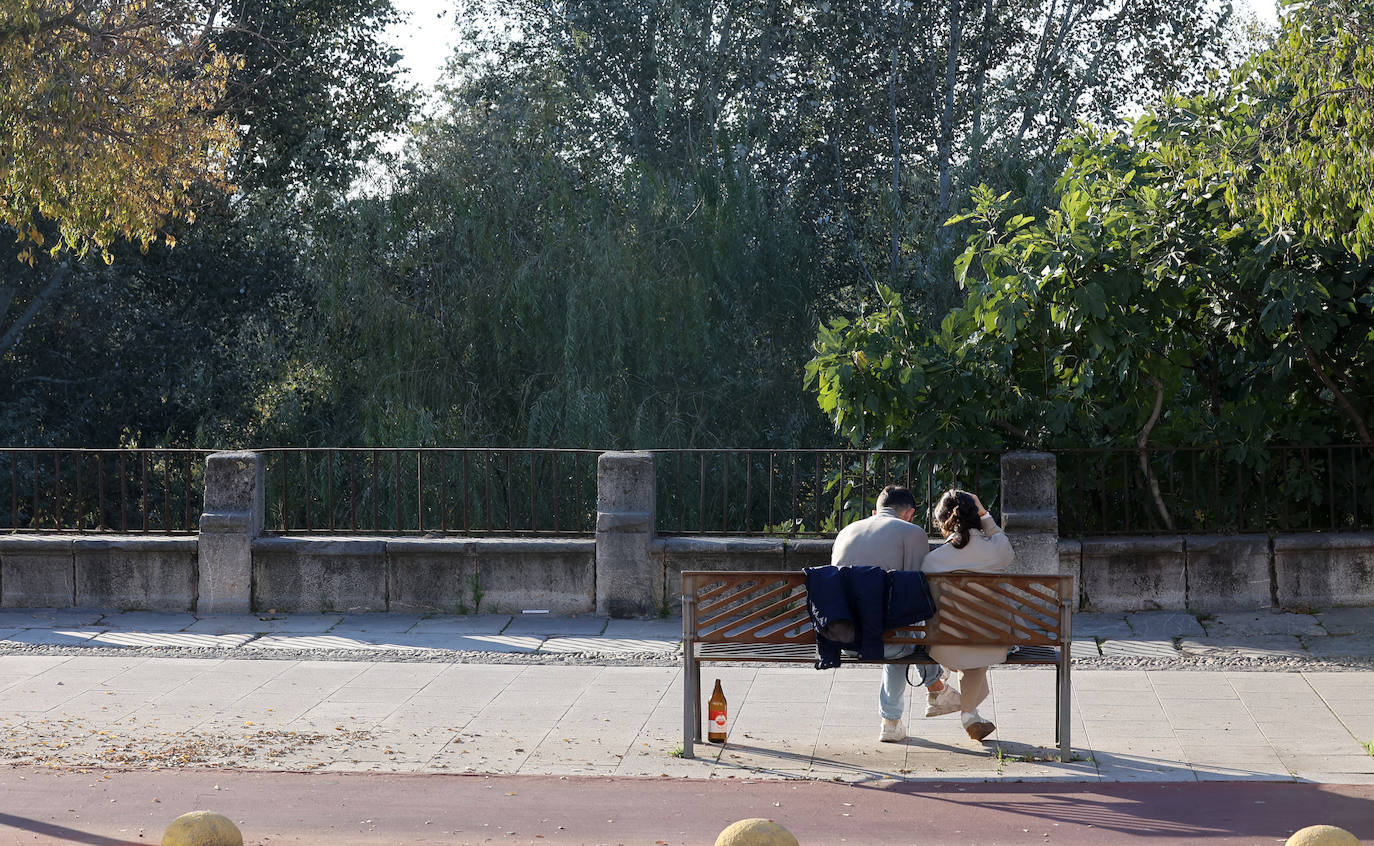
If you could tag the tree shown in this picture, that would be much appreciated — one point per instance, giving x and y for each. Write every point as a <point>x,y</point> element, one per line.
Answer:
<point>1140,306</point>
<point>876,116</point>
<point>1295,139</point>
<point>175,345</point>
<point>508,291</point>
<point>110,120</point>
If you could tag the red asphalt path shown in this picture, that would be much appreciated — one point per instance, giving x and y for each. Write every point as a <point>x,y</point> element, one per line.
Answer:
<point>114,808</point>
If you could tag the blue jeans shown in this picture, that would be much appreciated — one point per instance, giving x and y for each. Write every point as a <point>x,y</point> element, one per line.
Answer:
<point>892,693</point>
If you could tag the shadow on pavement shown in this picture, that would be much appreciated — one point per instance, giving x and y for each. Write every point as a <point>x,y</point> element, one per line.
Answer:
<point>62,832</point>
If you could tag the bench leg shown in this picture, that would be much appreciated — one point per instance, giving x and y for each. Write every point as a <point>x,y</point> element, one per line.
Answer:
<point>691,701</point>
<point>1064,701</point>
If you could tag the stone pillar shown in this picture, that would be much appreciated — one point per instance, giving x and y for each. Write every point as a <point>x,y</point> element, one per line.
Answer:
<point>1030,511</point>
<point>627,582</point>
<point>232,517</point>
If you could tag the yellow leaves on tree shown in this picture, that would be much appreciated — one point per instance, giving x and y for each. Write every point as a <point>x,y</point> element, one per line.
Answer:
<point>108,114</point>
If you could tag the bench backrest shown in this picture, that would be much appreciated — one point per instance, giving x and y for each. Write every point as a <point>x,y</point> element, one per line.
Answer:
<point>768,606</point>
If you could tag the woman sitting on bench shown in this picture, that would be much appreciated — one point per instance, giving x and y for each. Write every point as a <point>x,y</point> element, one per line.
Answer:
<point>976,544</point>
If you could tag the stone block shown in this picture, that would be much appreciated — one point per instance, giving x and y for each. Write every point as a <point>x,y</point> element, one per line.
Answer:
<point>36,572</point>
<point>430,575</point>
<point>1324,569</point>
<point>800,553</point>
<point>1030,500</point>
<point>233,516</point>
<point>697,553</point>
<point>1030,511</point>
<point>233,484</point>
<point>518,574</point>
<point>1133,574</point>
<point>136,573</point>
<point>1037,553</point>
<point>1070,557</point>
<point>1228,572</point>
<point>628,581</point>
<point>319,574</point>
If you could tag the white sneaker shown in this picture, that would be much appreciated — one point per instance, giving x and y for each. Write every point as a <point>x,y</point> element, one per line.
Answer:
<point>944,702</point>
<point>892,731</point>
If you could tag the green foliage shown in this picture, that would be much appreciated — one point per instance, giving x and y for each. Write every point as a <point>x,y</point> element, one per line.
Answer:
<point>1297,126</point>
<point>112,117</point>
<point>1150,299</point>
<point>170,346</point>
<point>503,293</point>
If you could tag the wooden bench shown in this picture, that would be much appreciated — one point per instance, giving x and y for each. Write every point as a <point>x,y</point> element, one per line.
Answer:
<point>761,616</point>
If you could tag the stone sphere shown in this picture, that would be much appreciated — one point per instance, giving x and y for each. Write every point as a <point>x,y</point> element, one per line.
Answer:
<point>1322,835</point>
<point>755,832</point>
<point>202,828</point>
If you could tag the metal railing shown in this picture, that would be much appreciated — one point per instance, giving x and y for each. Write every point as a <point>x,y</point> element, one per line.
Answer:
<point>434,491</point>
<point>1208,490</point>
<point>102,490</point>
<point>804,492</point>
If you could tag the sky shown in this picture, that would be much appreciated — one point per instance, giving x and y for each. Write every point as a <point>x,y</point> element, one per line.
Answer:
<point>427,37</point>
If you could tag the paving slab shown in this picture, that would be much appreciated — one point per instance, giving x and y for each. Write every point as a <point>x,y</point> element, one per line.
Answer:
<point>1259,624</point>
<point>1139,649</point>
<point>180,640</point>
<point>554,624</point>
<point>1344,621</point>
<point>264,623</point>
<point>388,623</point>
<point>462,624</point>
<point>28,618</point>
<point>1247,646</point>
<point>1341,646</point>
<point>656,629</point>
<point>1101,625</point>
<point>54,637</point>
<point>148,621</point>
<point>1164,625</point>
<point>1084,647</point>
<point>604,645</point>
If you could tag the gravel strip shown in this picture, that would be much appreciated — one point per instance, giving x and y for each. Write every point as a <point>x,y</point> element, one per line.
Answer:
<point>1211,662</point>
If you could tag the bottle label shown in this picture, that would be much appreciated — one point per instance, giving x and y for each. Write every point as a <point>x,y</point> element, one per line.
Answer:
<point>717,720</point>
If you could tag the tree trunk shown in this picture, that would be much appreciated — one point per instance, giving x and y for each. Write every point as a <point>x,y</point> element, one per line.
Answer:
<point>976,106</point>
<point>896,150</point>
<point>1141,443</point>
<point>1047,55</point>
<point>16,330</point>
<point>946,144</point>
<point>1341,399</point>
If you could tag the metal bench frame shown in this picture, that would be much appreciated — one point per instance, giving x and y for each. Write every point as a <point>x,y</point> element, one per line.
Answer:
<point>761,615</point>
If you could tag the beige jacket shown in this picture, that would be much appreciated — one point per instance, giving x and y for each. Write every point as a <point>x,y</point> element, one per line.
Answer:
<point>987,551</point>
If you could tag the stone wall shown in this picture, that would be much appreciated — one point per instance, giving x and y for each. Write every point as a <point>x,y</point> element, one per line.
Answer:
<point>625,570</point>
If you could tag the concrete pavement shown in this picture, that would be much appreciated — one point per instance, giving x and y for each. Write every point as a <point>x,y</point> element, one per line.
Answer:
<point>787,722</point>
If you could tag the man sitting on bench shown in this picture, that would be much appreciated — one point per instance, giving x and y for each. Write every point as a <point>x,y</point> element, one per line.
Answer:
<point>890,540</point>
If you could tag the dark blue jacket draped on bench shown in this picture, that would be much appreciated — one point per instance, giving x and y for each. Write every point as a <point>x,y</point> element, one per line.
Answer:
<point>857,604</point>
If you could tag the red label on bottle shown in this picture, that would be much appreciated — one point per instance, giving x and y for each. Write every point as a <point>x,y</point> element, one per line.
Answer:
<point>717,719</point>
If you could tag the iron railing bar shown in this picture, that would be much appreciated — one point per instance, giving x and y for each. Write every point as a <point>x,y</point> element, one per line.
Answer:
<point>143,476</point>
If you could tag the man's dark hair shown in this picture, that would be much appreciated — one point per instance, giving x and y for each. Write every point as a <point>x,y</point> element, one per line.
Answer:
<point>896,496</point>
